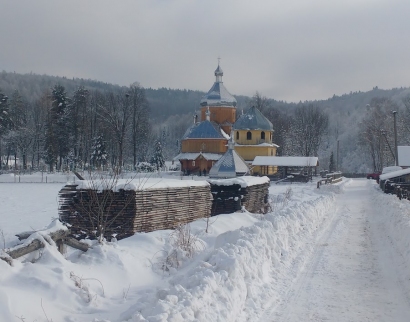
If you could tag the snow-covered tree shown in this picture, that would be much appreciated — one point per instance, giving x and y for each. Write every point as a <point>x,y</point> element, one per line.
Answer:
<point>331,163</point>
<point>4,119</point>
<point>158,157</point>
<point>307,130</point>
<point>99,153</point>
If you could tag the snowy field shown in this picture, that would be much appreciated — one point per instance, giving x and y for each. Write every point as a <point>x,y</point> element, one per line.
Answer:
<point>320,255</point>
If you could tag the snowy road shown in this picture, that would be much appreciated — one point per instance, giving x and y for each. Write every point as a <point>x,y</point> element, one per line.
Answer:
<point>356,272</point>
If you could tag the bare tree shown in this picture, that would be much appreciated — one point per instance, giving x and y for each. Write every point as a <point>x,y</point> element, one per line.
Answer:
<point>140,121</point>
<point>116,112</point>
<point>101,208</point>
<point>377,135</point>
<point>307,130</point>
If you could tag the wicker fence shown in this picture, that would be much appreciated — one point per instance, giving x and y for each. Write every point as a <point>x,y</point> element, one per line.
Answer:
<point>125,212</point>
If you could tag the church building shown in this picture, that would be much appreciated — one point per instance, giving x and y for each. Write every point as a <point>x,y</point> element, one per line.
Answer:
<point>206,141</point>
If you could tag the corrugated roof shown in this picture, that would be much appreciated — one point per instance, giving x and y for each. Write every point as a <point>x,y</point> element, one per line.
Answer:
<point>253,120</point>
<point>203,130</point>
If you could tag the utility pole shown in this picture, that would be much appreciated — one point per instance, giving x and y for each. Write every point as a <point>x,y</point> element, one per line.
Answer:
<point>337,156</point>
<point>395,138</point>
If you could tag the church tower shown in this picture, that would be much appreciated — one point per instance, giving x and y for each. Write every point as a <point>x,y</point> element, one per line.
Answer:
<point>221,104</point>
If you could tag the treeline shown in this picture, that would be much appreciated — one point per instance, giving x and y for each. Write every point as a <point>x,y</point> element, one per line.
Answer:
<point>83,129</point>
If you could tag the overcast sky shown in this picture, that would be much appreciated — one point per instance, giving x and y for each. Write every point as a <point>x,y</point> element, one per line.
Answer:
<point>285,49</point>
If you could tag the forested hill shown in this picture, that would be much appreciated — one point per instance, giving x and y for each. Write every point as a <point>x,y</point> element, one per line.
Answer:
<point>171,111</point>
<point>164,102</point>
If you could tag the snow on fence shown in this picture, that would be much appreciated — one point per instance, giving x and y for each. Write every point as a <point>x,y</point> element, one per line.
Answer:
<point>127,207</point>
<point>90,209</point>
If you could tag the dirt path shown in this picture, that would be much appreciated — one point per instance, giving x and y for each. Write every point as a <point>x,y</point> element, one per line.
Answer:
<point>354,273</point>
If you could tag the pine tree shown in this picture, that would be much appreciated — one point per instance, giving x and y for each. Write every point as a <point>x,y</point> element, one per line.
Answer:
<point>76,125</point>
<point>331,163</point>
<point>158,157</point>
<point>4,114</point>
<point>59,114</point>
<point>99,153</point>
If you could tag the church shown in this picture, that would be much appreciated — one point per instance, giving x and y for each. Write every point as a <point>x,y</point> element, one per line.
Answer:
<point>206,140</point>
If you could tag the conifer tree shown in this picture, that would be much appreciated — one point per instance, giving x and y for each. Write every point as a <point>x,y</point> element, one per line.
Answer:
<point>158,157</point>
<point>99,153</point>
<point>331,163</point>
<point>59,115</point>
<point>4,119</point>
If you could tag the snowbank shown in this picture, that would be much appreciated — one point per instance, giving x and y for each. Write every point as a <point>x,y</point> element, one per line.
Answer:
<point>244,181</point>
<point>243,264</point>
<point>138,184</point>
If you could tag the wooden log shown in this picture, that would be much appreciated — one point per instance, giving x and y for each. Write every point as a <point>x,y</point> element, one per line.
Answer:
<point>36,244</point>
<point>75,244</point>
<point>78,175</point>
<point>18,252</point>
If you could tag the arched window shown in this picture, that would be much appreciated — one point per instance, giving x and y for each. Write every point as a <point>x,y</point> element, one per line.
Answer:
<point>249,135</point>
<point>262,135</point>
<point>237,135</point>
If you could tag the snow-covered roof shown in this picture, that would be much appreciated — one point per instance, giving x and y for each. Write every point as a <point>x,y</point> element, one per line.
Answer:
<point>256,145</point>
<point>229,165</point>
<point>394,174</point>
<point>204,130</point>
<point>253,120</point>
<point>195,155</point>
<point>244,181</point>
<point>137,184</point>
<point>391,169</point>
<point>218,95</point>
<point>404,156</point>
<point>286,161</point>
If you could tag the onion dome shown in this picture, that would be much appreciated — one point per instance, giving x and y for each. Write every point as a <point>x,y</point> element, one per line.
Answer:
<point>253,120</point>
<point>218,95</point>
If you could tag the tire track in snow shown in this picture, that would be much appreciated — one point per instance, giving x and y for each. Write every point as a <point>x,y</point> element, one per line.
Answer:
<point>355,277</point>
<point>304,265</point>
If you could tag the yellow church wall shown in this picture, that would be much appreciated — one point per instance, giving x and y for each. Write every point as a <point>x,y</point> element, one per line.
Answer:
<point>248,153</point>
<point>255,139</point>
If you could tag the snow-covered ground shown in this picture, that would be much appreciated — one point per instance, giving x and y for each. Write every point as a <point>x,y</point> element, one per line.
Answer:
<point>336,253</point>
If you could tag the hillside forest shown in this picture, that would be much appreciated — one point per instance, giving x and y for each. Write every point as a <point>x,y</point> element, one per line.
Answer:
<point>55,123</point>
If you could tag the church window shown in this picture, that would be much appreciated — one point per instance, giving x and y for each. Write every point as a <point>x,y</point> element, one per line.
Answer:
<point>262,135</point>
<point>249,135</point>
<point>237,135</point>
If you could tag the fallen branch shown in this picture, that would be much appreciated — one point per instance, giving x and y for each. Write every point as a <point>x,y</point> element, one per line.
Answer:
<point>36,244</point>
<point>78,175</point>
<point>76,244</point>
